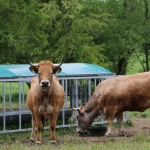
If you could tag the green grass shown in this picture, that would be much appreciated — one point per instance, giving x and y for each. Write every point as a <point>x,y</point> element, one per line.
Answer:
<point>19,141</point>
<point>12,97</point>
<point>134,66</point>
<point>145,114</point>
<point>68,139</point>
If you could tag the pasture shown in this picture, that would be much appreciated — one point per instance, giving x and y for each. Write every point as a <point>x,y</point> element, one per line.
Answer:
<point>137,132</point>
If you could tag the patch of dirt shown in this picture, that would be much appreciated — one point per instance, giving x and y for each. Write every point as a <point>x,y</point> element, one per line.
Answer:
<point>140,125</point>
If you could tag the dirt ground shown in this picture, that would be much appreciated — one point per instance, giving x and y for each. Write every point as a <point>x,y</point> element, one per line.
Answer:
<point>140,125</point>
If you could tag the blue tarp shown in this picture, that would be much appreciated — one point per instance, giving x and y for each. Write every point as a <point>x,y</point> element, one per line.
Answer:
<point>68,69</point>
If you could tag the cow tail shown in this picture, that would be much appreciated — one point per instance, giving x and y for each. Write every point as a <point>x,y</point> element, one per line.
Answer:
<point>42,118</point>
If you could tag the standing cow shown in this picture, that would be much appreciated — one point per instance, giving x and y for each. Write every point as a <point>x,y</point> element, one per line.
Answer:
<point>112,97</point>
<point>45,98</point>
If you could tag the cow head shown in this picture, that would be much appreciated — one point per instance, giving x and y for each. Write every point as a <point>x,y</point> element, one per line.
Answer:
<point>83,119</point>
<point>45,69</point>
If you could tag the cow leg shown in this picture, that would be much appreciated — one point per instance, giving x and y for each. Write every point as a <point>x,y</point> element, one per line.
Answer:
<point>32,136</point>
<point>53,119</point>
<point>119,118</point>
<point>110,120</point>
<point>39,126</point>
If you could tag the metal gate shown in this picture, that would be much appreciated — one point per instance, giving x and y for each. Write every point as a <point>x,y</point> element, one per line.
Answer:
<point>15,116</point>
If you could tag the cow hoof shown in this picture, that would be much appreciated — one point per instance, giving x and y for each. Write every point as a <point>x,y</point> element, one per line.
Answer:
<point>32,140</point>
<point>53,142</point>
<point>108,135</point>
<point>121,134</point>
<point>38,142</point>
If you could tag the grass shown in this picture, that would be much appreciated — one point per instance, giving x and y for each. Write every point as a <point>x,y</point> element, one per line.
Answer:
<point>18,141</point>
<point>134,66</point>
<point>145,114</point>
<point>12,98</point>
<point>68,139</point>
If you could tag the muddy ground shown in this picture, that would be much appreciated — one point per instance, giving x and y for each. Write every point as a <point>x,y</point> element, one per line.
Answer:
<point>140,125</point>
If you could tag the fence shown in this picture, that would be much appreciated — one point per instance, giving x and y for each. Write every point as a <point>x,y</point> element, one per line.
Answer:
<point>15,116</point>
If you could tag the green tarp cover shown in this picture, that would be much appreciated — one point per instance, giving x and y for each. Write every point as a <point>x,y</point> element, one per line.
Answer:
<point>68,69</point>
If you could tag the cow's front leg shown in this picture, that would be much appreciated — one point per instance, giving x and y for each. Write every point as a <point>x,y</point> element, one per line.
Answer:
<point>39,126</point>
<point>53,119</point>
<point>32,136</point>
<point>119,118</point>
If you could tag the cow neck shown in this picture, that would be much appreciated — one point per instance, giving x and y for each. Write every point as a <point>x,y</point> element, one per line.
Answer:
<point>45,95</point>
<point>91,108</point>
<point>90,105</point>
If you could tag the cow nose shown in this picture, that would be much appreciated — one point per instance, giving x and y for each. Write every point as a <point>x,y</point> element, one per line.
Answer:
<point>45,83</point>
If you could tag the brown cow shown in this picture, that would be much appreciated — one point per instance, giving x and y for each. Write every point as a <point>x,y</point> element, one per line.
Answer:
<point>112,97</point>
<point>45,98</point>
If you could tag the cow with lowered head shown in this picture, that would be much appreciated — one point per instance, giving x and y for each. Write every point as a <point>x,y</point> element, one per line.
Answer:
<point>45,98</point>
<point>112,97</point>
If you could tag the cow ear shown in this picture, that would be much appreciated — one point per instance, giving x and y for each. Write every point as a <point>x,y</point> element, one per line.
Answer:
<point>56,70</point>
<point>34,69</point>
<point>79,109</point>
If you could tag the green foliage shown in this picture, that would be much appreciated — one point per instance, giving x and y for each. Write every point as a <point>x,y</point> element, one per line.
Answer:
<point>145,114</point>
<point>71,31</point>
<point>50,29</point>
<point>134,66</point>
<point>20,30</point>
<point>98,32</point>
<point>128,123</point>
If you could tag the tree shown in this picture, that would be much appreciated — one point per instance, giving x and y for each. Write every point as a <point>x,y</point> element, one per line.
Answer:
<point>123,37</point>
<point>20,33</point>
<point>72,27</point>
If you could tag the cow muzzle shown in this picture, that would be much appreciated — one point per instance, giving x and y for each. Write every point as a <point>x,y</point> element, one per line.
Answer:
<point>79,130</point>
<point>45,83</point>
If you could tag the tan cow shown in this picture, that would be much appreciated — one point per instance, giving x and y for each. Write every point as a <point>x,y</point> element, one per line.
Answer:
<point>112,97</point>
<point>45,98</point>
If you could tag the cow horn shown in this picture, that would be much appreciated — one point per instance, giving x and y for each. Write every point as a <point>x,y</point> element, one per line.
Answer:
<point>57,65</point>
<point>76,108</point>
<point>34,65</point>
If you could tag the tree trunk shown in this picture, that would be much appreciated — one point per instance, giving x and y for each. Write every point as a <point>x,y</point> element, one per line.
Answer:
<point>146,57</point>
<point>122,64</point>
<point>146,46</point>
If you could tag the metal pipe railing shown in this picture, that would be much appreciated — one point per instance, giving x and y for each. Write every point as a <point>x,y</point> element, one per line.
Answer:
<point>13,107</point>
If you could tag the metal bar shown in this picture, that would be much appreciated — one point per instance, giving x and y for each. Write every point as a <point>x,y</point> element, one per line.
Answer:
<point>22,95</point>
<point>95,83</point>
<point>76,97</point>
<point>76,93</point>
<point>75,83</point>
<point>19,88</point>
<point>126,115</point>
<point>83,77</point>
<point>89,88</point>
<point>66,93</point>
<point>47,127</point>
<point>10,96</point>
<point>63,110</point>
<point>4,107</point>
